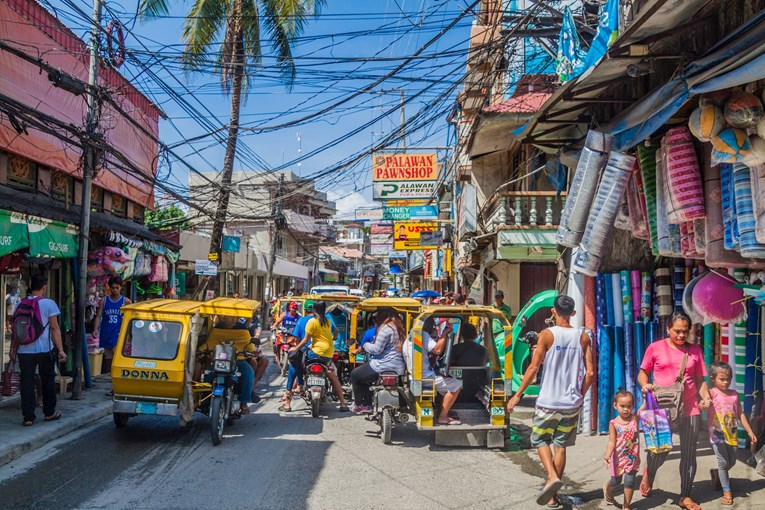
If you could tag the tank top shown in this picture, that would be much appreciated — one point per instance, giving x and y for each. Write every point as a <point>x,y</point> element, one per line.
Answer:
<point>626,456</point>
<point>111,321</point>
<point>563,370</point>
<point>289,322</point>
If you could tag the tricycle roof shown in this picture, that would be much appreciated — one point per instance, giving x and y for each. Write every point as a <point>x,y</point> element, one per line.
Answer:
<point>177,306</point>
<point>229,306</point>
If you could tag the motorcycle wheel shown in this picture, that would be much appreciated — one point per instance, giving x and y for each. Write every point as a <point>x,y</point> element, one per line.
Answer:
<point>284,362</point>
<point>315,403</point>
<point>387,425</point>
<point>218,419</point>
<point>120,419</point>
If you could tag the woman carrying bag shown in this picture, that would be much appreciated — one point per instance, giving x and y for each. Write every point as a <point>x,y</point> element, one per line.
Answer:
<point>678,373</point>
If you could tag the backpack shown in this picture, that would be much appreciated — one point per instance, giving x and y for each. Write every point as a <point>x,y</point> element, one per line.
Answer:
<point>27,322</point>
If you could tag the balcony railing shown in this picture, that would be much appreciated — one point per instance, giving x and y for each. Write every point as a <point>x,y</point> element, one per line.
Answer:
<point>525,209</point>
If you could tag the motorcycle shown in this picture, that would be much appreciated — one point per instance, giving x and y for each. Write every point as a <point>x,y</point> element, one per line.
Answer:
<point>318,387</point>
<point>343,368</point>
<point>226,388</point>
<point>282,342</point>
<point>390,403</point>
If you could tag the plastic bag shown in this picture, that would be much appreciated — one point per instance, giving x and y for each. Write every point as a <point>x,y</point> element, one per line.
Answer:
<point>655,425</point>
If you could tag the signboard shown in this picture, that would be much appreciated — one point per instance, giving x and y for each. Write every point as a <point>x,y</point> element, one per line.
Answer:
<point>205,268</point>
<point>212,256</point>
<point>180,283</point>
<point>406,235</point>
<point>397,265</point>
<point>381,228</point>
<point>404,167</point>
<point>379,249</point>
<point>406,203</point>
<point>231,244</point>
<point>405,213</point>
<point>403,190</point>
<point>381,239</point>
<point>432,238</point>
<point>368,214</point>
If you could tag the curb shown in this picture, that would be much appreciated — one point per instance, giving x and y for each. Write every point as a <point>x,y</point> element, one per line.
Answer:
<point>67,424</point>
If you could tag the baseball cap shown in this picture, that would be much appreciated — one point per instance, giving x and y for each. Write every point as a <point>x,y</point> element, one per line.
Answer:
<point>274,300</point>
<point>499,293</point>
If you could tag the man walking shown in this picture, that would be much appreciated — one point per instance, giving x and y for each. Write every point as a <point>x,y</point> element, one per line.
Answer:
<point>499,304</point>
<point>109,321</point>
<point>40,354</point>
<point>564,350</point>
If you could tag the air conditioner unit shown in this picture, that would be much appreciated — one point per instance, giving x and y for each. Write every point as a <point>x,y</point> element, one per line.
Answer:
<point>238,232</point>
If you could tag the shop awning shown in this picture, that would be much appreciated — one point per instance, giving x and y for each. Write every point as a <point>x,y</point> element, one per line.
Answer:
<point>736,60</point>
<point>48,238</point>
<point>13,232</point>
<point>328,271</point>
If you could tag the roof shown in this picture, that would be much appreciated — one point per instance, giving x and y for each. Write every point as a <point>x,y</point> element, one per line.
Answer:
<point>229,306</point>
<point>523,103</point>
<point>381,302</point>
<point>469,310</point>
<point>176,306</point>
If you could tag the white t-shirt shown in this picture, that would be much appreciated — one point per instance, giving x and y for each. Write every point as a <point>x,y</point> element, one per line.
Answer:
<point>44,343</point>
<point>430,344</point>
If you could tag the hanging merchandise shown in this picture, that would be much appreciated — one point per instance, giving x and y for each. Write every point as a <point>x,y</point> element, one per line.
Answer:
<point>622,220</point>
<point>756,154</point>
<point>686,194</point>
<point>757,176</point>
<point>645,298</point>
<point>668,243</point>
<point>729,207</point>
<point>753,385</point>
<point>142,264</point>
<point>636,206</point>
<point>664,291</point>
<point>606,377</point>
<point>647,163</point>
<point>629,345</point>
<point>158,269</point>
<point>699,238</point>
<point>743,110</point>
<point>109,260</point>
<point>688,306</point>
<point>706,122</point>
<point>601,217</point>
<point>716,299</point>
<point>730,146</point>
<point>591,324</point>
<point>742,184</point>
<point>638,333</point>
<point>635,285</point>
<point>715,253</point>
<point>591,163</point>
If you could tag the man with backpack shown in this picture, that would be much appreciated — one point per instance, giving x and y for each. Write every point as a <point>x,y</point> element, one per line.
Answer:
<point>37,340</point>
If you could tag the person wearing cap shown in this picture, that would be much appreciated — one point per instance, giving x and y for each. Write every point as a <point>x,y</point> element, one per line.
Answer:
<point>564,350</point>
<point>499,304</point>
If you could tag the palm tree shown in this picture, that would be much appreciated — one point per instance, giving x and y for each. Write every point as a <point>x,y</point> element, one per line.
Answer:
<point>232,31</point>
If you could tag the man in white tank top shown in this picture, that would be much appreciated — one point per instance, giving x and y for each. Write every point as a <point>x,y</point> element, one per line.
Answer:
<point>565,352</point>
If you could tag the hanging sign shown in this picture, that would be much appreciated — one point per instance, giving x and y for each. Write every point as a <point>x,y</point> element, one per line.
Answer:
<point>404,167</point>
<point>403,190</point>
<point>205,268</point>
<point>407,235</point>
<point>405,213</point>
<point>212,256</point>
<point>231,244</point>
<point>368,214</point>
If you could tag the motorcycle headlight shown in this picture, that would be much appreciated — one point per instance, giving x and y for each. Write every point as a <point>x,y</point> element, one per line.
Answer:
<point>222,365</point>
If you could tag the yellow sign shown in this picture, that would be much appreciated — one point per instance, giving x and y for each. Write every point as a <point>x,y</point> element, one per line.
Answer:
<point>404,167</point>
<point>212,256</point>
<point>405,203</point>
<point>406,234</point>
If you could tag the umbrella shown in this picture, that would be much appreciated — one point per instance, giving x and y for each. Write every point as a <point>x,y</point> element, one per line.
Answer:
<point>426,294</point>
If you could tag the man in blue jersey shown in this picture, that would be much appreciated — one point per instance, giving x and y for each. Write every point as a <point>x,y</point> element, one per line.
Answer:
<point>109,321</point>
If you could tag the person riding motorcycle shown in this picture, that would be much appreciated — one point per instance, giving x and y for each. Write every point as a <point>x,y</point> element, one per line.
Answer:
<point>247,379</point>
<point>289,318</point>
<point>319,332</point>
<point>387,349</point>
<point>295,372</point>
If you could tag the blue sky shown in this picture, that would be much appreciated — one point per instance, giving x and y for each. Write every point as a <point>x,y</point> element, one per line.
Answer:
<point>333,63</point>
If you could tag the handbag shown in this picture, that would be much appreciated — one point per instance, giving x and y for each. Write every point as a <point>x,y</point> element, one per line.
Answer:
<point>11,377</point>
<point>670,398</point>
<point>296,357</point>
<point>655,424</point>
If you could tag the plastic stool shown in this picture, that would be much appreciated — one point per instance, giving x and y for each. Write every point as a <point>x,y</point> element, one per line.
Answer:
<point>63,381</point>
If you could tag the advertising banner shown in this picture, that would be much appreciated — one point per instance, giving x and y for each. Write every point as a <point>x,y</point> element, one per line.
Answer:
<point>435,238</point>
<point>407,235</point>
<point>405,213</point>
<point>205,268</point>
<point>381,239</point>
<point>381,228</point>
<point>368,214</point>
<point>379,249</point>
<point>404,167</point>
<point>403,190</point>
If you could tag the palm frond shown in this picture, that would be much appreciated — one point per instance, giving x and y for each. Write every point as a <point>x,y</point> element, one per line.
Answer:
<point>201,30</point>
<point>149,9</point>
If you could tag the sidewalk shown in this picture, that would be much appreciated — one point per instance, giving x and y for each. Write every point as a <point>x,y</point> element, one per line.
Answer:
<point>17,440</point>
<point>586,473</point>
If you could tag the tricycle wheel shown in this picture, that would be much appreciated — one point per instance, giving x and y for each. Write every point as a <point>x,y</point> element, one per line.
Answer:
<point>315,403</point>
<point>120,419</point>
<point>218,419</point>
<point>387,425</point>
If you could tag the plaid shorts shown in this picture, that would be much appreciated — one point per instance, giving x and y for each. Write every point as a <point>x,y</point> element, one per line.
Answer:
<point>554,426</point>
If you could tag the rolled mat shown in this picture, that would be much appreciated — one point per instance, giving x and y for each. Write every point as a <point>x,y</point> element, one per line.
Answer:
<point>589,303</point>
<point>646,309</point>
<point>635,209</point>
<point>608,294</point>
<point>742,185</point>
<point>741,362</point>
<point>758,198</point>
<point>647,161</point>
<point>710,334</point>
<point>579,200</point>
<point>638,334</point>
<point>728,207</point>
<point>629,346</point>
<point>753,381</point>
<point>605,377</point>
<point>686,193</point>
<point>700,237</point>
<point>724,345</point>
<point>619,365</point>
<point>616,299</point>
<point>664,291</point>
<point>600,303</point>
<point>662,221</point>
<point>652,333</point>
<point>602,214</point>
<point>719,328</point>
<point>678,286</point>
<point>635,285</point>
<point>590,322</point>
<point>715,254</point>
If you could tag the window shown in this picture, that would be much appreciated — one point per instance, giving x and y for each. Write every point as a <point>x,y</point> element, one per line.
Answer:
<point>22,173</point>
<point>152,339</point>
<point>138,213</point>
<point>119,205</point>
<point>62,186</point>
<point>96,199</point>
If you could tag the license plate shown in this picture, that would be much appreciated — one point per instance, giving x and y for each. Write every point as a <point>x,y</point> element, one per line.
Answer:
<point>315,381</point>
<point>456,372</point>
<point>497,411</point>
<point>145,408</point>
<point>360,358</point>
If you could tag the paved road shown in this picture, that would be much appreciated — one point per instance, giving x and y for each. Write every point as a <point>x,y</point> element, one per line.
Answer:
<point>266,460</point>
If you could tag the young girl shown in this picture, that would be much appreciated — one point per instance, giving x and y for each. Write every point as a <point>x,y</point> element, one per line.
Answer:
<point>723,424</point>
<point>623,451</point>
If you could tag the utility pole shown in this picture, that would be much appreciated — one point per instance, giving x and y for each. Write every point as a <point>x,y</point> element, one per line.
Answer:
<point>277,224</point>
<point>88,171</point>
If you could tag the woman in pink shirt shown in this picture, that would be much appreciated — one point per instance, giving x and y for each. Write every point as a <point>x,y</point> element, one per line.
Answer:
<point>663,359</point>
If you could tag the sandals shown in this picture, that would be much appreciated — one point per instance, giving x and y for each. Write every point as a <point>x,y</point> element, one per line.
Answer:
<point>645,487</point>
<point>451,421</point>
<point>284,409</point>
<point>344,409</point>
<point>726,500</point>
<point>609,500</point>
<point>548,492</point>
<point>689,506</point>
<point>28,423</point>
<point>53,417</point>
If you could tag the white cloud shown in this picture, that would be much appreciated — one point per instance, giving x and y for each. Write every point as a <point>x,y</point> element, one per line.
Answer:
<point>347,202</point>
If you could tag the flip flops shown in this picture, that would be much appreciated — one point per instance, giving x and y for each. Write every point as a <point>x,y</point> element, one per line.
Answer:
<point>284,409</point>
<point>28,423</point>
<point>548,492</point>
<point>451,421</point>
<point>645,487</point>
<point>53,417</point>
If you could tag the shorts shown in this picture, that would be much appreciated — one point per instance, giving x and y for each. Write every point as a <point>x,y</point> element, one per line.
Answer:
<point>447,384</point>
<point>554,426</point>
<point>629,480</point>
